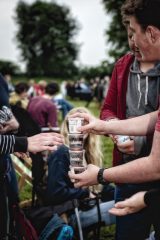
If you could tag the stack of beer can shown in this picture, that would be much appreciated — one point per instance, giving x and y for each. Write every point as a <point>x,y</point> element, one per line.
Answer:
<point>76,140</point>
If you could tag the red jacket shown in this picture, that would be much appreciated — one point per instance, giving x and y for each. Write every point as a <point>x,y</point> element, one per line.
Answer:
<point>115,102</point>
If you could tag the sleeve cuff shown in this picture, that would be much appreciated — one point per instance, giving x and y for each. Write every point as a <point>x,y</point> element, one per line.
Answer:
<point>21,144</point>
<point>152,197</point>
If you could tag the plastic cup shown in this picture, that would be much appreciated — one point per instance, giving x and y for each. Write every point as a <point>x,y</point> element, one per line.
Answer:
<point>75,141</point>
<point>78,170</point>
<point>74,123</point>
<point>76,155</point>
<point>76,163</point>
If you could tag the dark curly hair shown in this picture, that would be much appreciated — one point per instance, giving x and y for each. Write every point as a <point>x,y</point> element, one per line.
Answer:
<point>21,87</point>
<point>52,88</point>
<point>146,12</point>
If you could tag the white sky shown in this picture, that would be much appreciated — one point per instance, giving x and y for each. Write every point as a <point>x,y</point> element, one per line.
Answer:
<point>90,15</point>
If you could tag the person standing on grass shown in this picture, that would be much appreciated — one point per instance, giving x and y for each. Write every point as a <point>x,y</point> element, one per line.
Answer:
<point>133,91</point>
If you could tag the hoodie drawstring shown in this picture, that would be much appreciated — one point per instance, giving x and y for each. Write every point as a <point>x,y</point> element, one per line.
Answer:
<point>139,90</point>
<point>146,92</point>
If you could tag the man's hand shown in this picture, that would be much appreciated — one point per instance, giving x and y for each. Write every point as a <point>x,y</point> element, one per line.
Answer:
<point>44,141</point>
<point>126,147</point>
<point>87,178</point>
<point>93,125</point>
<point>131,205</point>
<point>10,125</point>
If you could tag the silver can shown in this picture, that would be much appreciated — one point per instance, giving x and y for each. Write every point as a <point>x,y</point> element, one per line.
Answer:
<point>122,139</point>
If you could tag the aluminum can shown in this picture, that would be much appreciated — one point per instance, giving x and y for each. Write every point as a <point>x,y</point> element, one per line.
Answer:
<point>123,139</point>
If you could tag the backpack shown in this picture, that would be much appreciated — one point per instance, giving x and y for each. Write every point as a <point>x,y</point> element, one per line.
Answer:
<point>22,229</point>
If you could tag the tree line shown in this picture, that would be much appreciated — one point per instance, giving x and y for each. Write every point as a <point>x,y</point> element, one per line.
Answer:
<point>45,37</point>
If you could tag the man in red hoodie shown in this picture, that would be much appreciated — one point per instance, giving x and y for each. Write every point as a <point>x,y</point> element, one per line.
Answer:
<point>133,91</point>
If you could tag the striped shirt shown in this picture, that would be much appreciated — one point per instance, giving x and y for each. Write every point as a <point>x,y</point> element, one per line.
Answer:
<point>10,144</point>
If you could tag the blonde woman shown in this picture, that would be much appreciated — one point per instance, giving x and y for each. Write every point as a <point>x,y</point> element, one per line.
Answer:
<point>92,143</point>
<point>59,186</point>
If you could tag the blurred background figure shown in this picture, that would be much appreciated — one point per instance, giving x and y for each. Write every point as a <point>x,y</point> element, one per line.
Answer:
<point>63,89</point>
<point>20,95</point>
<point>8,80</point>
<point>40,88</point>
<point>31,90</point>
<point>52,89</point>
<point>106,82</point>
<point>43,110</point>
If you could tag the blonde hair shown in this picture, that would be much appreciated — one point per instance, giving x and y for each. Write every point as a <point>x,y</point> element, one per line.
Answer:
<point>92,144</point>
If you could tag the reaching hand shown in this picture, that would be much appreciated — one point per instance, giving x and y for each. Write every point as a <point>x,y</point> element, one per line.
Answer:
<point>93,125</point>
<point>10,125</point>
<point>126,147</point>
<point>44,141</point>
<point>131,205</point>
<point>87,178</point>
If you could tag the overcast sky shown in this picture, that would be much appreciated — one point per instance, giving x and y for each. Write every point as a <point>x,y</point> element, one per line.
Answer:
<point>90,15</point>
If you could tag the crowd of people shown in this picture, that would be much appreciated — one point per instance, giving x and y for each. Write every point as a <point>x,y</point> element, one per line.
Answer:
<point>88,90</point>
<point>129,116</point>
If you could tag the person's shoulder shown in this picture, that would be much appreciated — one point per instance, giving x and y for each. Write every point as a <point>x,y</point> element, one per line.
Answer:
<point>35,99</point>
<point>47,101</point>
<point>127,58</point>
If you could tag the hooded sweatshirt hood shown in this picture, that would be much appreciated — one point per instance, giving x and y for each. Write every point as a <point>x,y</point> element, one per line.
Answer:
<point>144,88</point>
<point>142,98</point>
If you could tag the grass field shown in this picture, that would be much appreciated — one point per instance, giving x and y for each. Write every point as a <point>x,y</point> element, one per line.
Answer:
<point>107,232</point>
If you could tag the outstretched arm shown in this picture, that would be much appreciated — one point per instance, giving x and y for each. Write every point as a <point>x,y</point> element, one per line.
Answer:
<point>36,143</point>
<point>140,170</point>
<point>137,202</point>
<point>138,126</point>
<point>131,205</point>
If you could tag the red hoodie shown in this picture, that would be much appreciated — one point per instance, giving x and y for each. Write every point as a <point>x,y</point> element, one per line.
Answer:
<point>115,102</point>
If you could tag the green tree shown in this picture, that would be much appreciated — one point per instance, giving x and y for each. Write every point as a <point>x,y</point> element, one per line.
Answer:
<point>102,70</point>
<point>116,33</point>
<point>8,67</point>
<point>45,38</point>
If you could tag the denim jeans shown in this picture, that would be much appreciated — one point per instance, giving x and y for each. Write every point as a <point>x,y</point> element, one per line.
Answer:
<point>134,226</point>
<point>65,106</point>
<point>151,237</point>
<point>91,217</point>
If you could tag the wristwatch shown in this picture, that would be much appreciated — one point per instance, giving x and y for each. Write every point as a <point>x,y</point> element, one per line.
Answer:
<point>100,178</point>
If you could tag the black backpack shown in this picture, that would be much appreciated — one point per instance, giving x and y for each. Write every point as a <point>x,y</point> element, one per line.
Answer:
<point>22,228</point>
